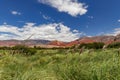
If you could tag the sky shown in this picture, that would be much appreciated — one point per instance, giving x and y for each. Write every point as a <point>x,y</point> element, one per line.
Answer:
<point>63,20</point>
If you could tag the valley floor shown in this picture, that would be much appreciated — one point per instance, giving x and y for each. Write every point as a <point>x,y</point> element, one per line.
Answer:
<point>59,65</point>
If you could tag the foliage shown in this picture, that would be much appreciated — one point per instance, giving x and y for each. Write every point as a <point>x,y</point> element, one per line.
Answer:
<point>56,65</point>
<point>114,45</point>
<point>95,45</point>
<point>5,48</point>
<point>22,49</point>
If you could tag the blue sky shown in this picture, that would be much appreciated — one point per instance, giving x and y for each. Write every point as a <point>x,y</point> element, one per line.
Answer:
<point>58,17</point>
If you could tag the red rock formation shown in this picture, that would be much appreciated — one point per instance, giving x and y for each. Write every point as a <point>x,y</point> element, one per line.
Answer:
<point>57,43</point>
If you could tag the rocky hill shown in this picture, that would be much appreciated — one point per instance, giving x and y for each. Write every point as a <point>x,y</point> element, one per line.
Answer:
<point>10,43</point>
<point>104,39</point>
<point>46,43</point>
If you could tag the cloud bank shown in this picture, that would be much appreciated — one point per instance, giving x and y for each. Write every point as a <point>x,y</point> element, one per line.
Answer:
<point>53,31</point>
<point>72,7</point>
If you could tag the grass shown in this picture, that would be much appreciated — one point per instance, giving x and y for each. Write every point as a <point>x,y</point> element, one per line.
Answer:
<point>57,65</point>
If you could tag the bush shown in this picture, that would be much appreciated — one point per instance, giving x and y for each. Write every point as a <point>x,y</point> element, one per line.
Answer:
<point>114,45</point>
<point>5,48</point>
<point>95,45</point>
<point>22,49</point>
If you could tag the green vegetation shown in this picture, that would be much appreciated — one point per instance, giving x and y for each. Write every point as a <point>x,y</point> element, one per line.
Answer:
<point>114,45</point>
<point>24,50</point>
<point>57,65</point>
<point>95,45</point>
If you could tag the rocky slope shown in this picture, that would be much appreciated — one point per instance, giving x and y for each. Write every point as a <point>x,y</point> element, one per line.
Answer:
<point>46,43</point>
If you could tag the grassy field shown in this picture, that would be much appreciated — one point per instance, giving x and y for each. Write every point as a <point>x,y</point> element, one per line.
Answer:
<point>57,65</point>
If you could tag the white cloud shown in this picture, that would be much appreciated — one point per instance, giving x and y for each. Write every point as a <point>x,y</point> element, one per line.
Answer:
<point>72,7</point>
<point>75,31</point>
<point>46,31</point>
<point>46,17</point>
<point>115,32</point>
<point>15,13</point>
<point>119,20</point>
<point>5,23</point>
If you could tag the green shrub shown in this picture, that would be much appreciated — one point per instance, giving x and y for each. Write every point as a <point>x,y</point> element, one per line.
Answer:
<point>114,45</point>
<point>22,49</point>
<point>95,45</point>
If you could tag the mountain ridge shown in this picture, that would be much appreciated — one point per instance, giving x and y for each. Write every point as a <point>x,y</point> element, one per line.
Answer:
<point>55,43</point>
